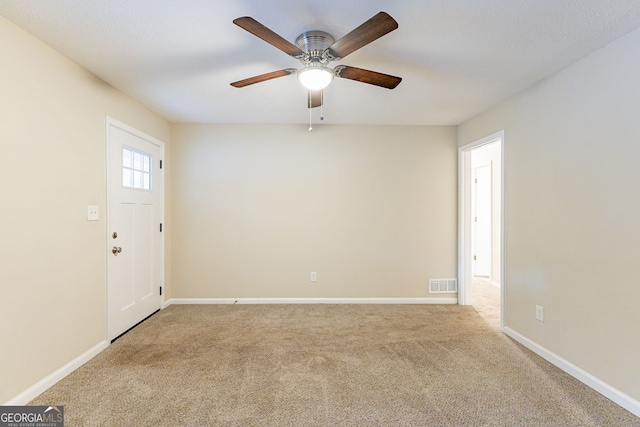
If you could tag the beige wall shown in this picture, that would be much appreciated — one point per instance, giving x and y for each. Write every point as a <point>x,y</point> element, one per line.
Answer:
<point>371,209</point>
<point>572,218</point>
<point>52,261</point>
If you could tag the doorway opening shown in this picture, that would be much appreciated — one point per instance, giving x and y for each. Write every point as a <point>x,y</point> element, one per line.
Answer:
<point>481,230</point>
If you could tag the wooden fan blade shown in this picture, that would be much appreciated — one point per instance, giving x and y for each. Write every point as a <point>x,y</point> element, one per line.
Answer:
<point>367,76</point>
<point>314,98</point>
<point>259,30</point>
<point>371,30</point>
<point>264,77</point>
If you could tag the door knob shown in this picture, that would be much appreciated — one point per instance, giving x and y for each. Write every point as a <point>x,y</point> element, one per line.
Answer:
<point>116,250</point>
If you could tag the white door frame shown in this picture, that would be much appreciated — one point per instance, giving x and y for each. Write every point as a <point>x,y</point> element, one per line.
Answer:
<point>464,221</point>
<point>110,123</point>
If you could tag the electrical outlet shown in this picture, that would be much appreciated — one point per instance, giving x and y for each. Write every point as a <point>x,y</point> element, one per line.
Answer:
<point>314,276</point>
<point>540,313</point>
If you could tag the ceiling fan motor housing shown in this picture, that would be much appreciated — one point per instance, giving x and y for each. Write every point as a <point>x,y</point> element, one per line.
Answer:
<point>315,43</point>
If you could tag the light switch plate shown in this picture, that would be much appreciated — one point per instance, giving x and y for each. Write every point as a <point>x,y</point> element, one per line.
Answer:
<point>93,214</point>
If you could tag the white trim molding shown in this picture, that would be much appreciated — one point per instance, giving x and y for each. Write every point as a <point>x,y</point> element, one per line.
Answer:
<point>310,301</point>
<point>613,394</point>
<point>50,380</point>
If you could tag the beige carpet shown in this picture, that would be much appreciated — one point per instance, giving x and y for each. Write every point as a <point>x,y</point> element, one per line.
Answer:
<point>326,365</point>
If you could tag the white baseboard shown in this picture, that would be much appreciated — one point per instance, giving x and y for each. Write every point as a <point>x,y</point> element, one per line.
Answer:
<point>597,384</point>
<point>311,301</point>
<point>42,385</point>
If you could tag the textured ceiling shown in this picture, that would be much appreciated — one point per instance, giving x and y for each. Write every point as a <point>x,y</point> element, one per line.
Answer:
<point>456,57</point>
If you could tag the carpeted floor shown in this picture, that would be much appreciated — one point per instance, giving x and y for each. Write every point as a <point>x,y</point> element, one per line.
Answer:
<point>326,365</point>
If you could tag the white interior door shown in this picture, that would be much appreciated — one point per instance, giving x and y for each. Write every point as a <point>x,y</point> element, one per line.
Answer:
<point>134,241</point>
<point>482,221</point>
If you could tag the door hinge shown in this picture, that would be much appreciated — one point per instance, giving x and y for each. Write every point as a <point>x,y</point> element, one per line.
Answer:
<point>160,290</point>
<point>475,258</point>
<point>160,164</point>
<point>161,227</point>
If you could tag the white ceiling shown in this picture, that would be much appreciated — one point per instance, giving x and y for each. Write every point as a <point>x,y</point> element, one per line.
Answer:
<point>456,57</point>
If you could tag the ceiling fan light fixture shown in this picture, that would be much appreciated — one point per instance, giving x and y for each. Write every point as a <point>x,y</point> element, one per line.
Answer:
<point>315,77</point>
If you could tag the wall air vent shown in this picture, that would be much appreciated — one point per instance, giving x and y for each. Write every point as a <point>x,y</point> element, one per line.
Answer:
<point>443,286</point>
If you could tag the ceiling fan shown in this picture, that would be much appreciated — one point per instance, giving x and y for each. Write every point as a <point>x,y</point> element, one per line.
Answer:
<point>316,49</point>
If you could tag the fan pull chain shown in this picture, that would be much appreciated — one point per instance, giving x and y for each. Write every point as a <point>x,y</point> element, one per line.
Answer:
<point>321,104</point>
<point>310,127</point>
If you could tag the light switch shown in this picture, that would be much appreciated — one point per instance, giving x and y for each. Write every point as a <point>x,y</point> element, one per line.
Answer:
<point>93,213</point>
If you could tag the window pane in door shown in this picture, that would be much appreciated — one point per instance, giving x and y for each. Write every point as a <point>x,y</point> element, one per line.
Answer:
<point>137,161</point>
<point>137,179</point>
<point>126,158</point>
<point>136,169</point>
<point>126,178</point>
